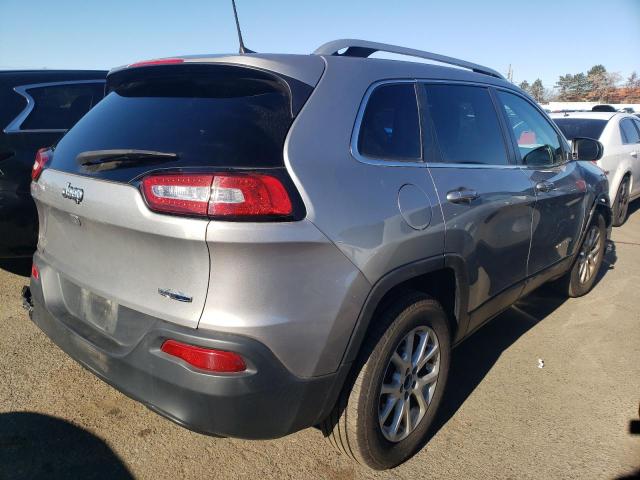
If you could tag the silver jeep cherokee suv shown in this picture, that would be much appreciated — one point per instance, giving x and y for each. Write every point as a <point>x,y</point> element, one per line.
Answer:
<point>255,244</point>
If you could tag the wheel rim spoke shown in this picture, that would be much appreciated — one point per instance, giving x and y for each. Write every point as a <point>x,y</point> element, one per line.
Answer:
<point>407,415</point>
<point>408,349</point>
<point>397,418</point>
<point>423,403</point>
<point>388,408</point>
<point>398,361</point>
<point>430,377</point>
<point>418,354</point>
<point>390,389</point>
<point>582,271</point>
<point>428,356</point>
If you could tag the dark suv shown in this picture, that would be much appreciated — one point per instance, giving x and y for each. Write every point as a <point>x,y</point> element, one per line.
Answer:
<point>38,107</point>
<point>254,244</point>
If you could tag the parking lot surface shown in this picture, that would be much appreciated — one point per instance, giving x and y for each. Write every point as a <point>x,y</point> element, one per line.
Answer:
<point>503,417</point>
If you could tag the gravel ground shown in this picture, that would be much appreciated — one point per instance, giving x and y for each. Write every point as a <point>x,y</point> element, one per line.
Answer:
<point>503,418</point>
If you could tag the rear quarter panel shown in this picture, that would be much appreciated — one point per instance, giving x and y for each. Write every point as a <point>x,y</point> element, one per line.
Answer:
<point>355,204</point>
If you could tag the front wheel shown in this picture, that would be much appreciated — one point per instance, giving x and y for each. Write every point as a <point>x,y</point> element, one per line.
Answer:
<point>580,279</point>
<point>385,411</point>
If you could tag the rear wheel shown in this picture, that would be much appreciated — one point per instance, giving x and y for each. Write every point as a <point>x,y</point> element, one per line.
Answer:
<point>384,412</point>
<point>621,203</point>
<point>580,279</point>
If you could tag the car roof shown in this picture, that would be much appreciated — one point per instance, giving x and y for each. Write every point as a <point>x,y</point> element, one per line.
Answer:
<point>309,68</point>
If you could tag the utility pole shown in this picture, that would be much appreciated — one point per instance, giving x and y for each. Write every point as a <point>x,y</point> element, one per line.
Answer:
<point>510,74</point>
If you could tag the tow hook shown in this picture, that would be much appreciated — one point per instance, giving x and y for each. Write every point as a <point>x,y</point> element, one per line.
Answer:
<point>27,301</point>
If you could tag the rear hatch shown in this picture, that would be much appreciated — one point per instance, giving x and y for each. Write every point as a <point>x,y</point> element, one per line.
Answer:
<point>99,236</point>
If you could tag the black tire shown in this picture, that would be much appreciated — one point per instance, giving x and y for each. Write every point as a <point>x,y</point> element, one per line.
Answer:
<point>621,203</point>
<point>572,284</point>
<point>353,427</point>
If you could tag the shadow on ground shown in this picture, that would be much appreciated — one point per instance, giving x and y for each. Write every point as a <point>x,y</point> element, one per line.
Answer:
<point>34,446</point>
<point>633,208</point>
<point>632,476</point>
<point>475,357</point>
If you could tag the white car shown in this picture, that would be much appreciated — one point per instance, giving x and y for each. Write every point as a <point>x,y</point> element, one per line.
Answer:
<point>620,135</point>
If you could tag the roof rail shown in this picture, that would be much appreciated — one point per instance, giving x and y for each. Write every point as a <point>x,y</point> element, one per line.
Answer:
<point>364,48</point>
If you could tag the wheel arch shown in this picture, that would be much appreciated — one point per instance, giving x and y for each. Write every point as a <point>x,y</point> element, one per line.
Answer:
<point>601,205</point>
<point>617,181</point>
<point>442,277</point>
<point>627,174</point>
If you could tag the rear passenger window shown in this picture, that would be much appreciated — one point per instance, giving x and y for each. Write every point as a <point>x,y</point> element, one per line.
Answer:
<point>59,107</point>
<point>466,124</point>
<point>629,132</point>
<point>390,129</point>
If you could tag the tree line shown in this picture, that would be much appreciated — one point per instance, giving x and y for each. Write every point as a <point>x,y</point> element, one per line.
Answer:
<point>597,85</point>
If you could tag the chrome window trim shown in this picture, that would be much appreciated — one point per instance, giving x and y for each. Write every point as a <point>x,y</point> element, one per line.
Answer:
<point>16,123</point>
<point>483,166</point>
<point>426,164</point>
<point>355,133</point>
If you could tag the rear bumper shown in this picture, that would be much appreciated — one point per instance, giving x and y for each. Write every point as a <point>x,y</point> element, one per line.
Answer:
<point>267,401</point>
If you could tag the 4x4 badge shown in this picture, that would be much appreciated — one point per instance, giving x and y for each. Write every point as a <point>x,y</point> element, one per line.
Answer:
<point>73,193</point>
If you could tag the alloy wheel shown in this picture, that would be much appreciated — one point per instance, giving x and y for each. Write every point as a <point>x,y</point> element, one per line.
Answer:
<point>622,201</point>
<point>409,383</point>
<point>588,257</point>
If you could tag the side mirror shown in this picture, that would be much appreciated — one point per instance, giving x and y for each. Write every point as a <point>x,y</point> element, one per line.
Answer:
<point>586,149</point>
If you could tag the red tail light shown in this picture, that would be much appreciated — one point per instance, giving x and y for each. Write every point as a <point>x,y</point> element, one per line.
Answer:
<point>43,156</point>
<point>161,61</point>
<point>217,195</point>
<point>35,273</point>
<point>176,193</point>
<point>205,358</point>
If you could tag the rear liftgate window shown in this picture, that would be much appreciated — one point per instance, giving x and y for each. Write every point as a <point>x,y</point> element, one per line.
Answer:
<point>210,116</point>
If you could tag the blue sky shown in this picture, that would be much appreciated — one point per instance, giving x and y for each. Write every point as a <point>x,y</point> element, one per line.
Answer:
<point>539,38</point>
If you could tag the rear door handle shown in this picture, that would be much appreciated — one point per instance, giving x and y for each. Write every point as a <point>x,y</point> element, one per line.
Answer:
<point>462,195</point>
<point>634,154</point>
<point>544,186</point>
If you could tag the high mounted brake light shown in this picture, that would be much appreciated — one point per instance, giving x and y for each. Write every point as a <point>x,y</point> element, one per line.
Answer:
<point>219,195</point>
<point>161,61</point>
<point>43,156</point>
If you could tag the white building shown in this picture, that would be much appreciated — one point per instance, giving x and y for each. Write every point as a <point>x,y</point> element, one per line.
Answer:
<point>559,106</point>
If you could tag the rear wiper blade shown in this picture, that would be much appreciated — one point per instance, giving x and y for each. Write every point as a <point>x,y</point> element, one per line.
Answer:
<point>100,157</point>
